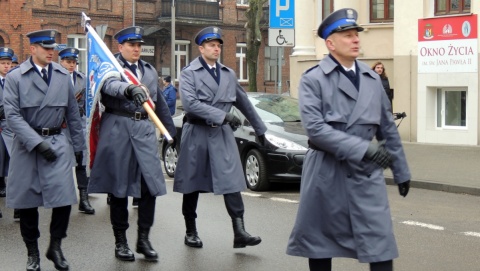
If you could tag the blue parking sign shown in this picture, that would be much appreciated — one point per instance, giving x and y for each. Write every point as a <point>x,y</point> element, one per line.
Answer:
<point>282,14</point>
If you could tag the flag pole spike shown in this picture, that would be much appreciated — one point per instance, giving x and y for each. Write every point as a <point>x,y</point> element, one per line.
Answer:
<point>85,21</point>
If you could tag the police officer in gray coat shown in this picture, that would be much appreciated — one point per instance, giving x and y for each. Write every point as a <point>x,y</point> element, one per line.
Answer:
<point>209,160</point>
<point>69,60</point>
<point>344,210</point>
<point>6,56</point>
<point>38,98</point>
<point>127,162</point>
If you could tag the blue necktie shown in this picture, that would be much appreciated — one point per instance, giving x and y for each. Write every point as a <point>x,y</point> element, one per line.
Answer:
<point>133,67</point>
<point>3,82</point>
<point>44,75</point>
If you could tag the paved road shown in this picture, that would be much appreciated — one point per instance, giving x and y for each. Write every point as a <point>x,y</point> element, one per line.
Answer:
<point>435,231</point>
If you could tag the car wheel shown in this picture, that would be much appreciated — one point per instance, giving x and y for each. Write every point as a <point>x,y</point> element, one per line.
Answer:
<point>255,170</point>
<point>170,158</point>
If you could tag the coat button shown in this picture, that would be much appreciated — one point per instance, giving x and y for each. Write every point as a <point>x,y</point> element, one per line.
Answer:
<point>368,175</point>
<point>349,175</point>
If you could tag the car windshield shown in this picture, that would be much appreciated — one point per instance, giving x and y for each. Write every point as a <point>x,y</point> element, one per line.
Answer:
<point>276,108</point>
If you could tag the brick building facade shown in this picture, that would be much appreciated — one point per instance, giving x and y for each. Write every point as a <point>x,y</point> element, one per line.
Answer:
<point>20,17</point>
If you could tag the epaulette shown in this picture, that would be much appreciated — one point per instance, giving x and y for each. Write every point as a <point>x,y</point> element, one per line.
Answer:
<point>14,68</point>
<point>307,71</point>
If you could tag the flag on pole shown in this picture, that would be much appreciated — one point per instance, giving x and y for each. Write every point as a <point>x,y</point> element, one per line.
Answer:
<point>100,68</point>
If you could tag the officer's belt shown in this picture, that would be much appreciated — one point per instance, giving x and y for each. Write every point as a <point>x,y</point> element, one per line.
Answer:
<point>131,115</point>
<point>48,131</point>
<point>203,122</point>
<point>313,146</point>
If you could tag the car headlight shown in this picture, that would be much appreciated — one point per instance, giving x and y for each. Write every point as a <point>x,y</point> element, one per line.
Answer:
<point>284,143</point>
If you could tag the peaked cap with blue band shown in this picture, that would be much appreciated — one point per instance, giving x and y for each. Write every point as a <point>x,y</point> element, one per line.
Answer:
<point>69,53</point>
<point>44,38</point>
<point>15,59</point>
<point>208,34</point>
<point>6,53</point>
<point>133,34</point>
<point>338,21</point>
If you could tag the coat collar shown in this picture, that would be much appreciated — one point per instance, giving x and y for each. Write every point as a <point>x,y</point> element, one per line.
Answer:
<point>208,80</point>
<point>364,94</point>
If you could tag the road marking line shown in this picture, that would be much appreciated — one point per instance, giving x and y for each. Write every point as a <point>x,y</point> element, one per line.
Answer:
<point>423,225</point>
<point>472,233</point>
<point>251,194</point>
<point>284,200</point>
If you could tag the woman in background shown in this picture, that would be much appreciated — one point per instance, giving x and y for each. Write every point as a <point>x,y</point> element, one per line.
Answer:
<point>380,69</point>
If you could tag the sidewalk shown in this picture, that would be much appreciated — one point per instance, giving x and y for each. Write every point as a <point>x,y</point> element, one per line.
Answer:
<point>447,168</point>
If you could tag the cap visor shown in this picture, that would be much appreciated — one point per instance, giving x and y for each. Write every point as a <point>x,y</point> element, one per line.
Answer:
<point>49,46</point>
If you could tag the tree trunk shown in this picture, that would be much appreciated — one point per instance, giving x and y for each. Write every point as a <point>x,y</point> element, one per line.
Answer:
<point>254,40</point>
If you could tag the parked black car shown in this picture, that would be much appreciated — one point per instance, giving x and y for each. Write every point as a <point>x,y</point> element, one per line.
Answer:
<point>280,160</point>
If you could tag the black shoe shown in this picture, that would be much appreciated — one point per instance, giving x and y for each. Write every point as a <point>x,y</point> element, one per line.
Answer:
<point>122,251</point>
<point>109,198</point>
<point>55,254</point>
<point>243,238</point>
<point>144,246</point>
<point>191,236</point>
<point>16,214</point>
<point>135,202</point>
<point>33,261</point>
<point>84,204</point>
<point>3,192</point>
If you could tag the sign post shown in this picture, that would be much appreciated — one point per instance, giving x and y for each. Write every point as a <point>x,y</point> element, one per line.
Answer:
<point>281,32</point>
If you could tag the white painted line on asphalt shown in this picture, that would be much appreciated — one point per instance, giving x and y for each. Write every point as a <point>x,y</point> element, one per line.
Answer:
<point>250,194</point>
<point>423,225</point>
<point>472,233</point>
<point>284,200</point>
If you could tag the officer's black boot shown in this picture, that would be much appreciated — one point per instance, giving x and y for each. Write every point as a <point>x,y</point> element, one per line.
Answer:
<point>84,204</point>
<point>122,251</point>
<point>3,187</point>
<point>243,238</point>
<point>191,236</point>
<point>144,246</point>
<point>33,262</point>
<point>55,254</point>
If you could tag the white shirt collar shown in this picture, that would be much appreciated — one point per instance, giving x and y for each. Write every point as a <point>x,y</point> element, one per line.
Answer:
<point>39,68</point>
<point>353,68</point>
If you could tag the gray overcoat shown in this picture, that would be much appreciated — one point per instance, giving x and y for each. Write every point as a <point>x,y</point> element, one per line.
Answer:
<point>5,142</point>
<point>209,160</point>
<point>30,102</point>
<point>344,210</point>
<point>128,149</point>
<point>80,93</point>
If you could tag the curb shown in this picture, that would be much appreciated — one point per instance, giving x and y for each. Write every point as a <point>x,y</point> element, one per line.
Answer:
<point>422,184</point>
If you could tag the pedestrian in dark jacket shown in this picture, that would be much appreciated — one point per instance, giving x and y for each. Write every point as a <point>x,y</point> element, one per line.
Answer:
<point>379,68</point>
<point>170,94</point>
<point>38,98</point>
<point>344,210</point>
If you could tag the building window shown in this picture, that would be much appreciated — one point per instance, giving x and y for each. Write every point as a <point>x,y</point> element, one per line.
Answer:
<point>381,11</point>
<point>241,57</point>
<point>443,7</point>
<point>452,108</point>
<point>242,2</point>
<point>327,8</point>
<point>79,42</point>
<point>181,56</point>
<point>270,63</point>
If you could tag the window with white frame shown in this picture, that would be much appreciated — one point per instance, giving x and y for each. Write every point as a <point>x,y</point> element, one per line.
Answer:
<point>270,63</point>
<point>79,42</point>
<point>241,59</point>
<point>181,56</point>
<point>452,108</point>
<point>242,2</point>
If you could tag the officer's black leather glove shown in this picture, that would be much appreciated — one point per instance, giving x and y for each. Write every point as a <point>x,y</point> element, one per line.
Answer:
<point>403,188</point>
<point>46,151</point>
<point>136,93</point>
<point>233,120</point>
<point>262,140</point>
<point>377,153</point>
<point>79,158</point>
